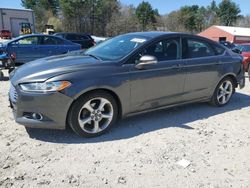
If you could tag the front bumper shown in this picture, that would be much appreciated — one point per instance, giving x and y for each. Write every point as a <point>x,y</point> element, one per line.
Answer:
<point>53,107</point>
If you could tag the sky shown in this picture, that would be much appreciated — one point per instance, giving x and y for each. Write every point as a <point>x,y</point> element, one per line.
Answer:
<point>163,6</point>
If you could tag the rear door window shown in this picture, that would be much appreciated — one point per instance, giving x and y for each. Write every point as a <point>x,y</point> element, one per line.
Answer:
<point>197,48</point>
<point>72,37</point>
<point>52,41</point>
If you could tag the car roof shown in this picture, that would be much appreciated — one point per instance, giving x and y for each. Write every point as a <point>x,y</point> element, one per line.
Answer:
<point>153,34</point>
<point>72,33</point>
<point>156,34</point>
<point>36,35</point>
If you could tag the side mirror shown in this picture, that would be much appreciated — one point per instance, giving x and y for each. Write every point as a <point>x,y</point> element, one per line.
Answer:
<point>145,61</point>
<point>236,50</point>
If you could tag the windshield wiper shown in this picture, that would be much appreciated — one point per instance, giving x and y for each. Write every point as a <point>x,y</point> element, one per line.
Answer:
<point>91,55</point>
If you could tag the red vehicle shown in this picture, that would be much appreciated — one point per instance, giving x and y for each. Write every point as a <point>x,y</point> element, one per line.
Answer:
<point>5,34</point>
<point>244,49</point>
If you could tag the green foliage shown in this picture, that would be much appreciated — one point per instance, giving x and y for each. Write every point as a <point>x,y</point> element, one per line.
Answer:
<point>49,5</point>
<point>30,4</point>
<point>43,9</point>
<point>146,15</point>
<point>228,12</point>
<point>89,16</point>
<point>109,17</point>
<point>195,18</point>
<point>187,17</point>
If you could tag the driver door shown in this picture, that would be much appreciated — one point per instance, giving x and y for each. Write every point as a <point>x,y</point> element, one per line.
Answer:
<point>159,84</point>
<point>26,49</point>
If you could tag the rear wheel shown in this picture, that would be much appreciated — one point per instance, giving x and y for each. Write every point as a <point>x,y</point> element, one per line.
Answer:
<point>93,114</point>
<point>223,92</point>
<point>1,75</point>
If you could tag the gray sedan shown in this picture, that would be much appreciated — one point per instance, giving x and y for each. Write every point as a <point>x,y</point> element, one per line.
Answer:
<point>123,76</point>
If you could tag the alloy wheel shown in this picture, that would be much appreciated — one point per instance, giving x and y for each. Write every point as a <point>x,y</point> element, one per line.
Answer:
<point>95,115</point>
<point>225,92</point>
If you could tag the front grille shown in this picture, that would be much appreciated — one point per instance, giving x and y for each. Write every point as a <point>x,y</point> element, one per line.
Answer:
<point>13,94</point>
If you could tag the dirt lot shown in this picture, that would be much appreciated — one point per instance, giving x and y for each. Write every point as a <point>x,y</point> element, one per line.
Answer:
<point>142,151</point>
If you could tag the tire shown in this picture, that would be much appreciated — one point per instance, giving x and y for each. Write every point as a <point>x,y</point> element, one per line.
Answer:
<point>93,114</point>
<point>223,92</point>
<point>10,70</point>
<point>1,75</point>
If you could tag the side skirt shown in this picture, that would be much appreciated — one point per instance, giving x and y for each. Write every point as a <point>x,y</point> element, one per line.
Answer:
<point>167,107</point>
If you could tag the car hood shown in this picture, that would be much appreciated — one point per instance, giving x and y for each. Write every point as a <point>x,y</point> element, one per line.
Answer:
<point>43,69</point>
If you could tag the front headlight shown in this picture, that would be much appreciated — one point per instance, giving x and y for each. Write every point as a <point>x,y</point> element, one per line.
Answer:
<point>45,86</point>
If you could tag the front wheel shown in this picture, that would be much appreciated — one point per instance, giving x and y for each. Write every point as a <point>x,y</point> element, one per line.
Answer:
<point>223,92</point>
<point>93,114</point>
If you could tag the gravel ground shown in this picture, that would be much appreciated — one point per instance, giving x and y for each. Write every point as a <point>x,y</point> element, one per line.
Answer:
<point>142,151</point>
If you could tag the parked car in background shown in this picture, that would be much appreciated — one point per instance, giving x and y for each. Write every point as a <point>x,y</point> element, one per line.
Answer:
<point>98,39</point>
<point>244,50</point>
<point>5,34</point>
<point>123,76</point>
<point>84,40</point>
<point>31,47</point>
<point>228,44</point>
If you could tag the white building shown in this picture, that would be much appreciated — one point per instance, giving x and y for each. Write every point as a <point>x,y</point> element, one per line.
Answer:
<point>10,19</point>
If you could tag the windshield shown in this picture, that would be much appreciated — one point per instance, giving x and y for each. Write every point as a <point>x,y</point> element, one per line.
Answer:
<point>116,48</point>
<point>246,48</point>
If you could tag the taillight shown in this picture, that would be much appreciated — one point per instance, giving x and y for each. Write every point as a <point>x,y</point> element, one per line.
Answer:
<point>13,56</point>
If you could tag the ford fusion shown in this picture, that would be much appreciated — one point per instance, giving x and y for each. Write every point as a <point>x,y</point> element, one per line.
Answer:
<point>123,76</point>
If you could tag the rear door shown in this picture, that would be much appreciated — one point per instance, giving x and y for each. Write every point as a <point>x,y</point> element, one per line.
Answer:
<point>84,40</point>
<point>53,46</point>
<point>202,67</point>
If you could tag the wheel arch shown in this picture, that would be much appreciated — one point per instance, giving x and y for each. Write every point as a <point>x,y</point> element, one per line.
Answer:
<point>112,93</point>
<point>229,75</point>
<point>233,77</point>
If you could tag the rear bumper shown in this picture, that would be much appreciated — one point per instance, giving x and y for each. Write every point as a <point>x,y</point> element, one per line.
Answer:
<point>53,108</point>
<point>241,78</point>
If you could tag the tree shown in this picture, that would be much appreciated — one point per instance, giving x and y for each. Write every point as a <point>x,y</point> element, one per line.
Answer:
<point>171,22</point>
<point>244,21</point>
<point>146,15</point>
<point>43,9</point>
<point>212,18</point>
<point>187,17</point>
<point>200,19</point>
<point>30,4</point>
<point>228,12</point>
<point>89,16</point>
<point>124,21</point>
